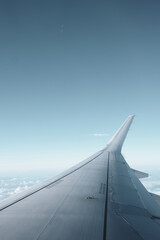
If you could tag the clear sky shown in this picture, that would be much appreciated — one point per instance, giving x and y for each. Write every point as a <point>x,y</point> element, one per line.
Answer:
<point>72,69</point>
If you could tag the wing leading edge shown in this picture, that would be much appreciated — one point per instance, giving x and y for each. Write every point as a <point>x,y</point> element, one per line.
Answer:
<point>101,198</point>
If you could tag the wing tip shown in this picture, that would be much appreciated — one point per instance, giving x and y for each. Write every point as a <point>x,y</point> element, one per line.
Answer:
<point>116,142</point>
<point>131,116</point>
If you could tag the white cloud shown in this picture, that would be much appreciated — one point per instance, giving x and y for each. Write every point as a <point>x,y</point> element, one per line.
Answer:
<point>157,192</point>
<point>152,186</point>
<point>12,186</point>
<point>1,190</point>
<point>100,134</point>
<point>17,190</point>
<point>13,179</point>
<point>151,183</point>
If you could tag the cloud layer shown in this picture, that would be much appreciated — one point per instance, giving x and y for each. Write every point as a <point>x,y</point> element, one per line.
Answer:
<point>152,186</point>
<point>11,186</point>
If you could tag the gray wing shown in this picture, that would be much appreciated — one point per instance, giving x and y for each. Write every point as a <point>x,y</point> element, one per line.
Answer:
<point>100,198</point>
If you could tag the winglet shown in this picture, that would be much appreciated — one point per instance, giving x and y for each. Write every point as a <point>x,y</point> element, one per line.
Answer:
<point>116,142</point>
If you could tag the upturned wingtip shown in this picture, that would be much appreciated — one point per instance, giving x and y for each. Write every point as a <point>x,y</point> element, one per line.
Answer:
<point>116,142</point>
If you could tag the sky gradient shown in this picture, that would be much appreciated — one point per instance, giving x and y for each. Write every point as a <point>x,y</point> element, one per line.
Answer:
<point>72,69</point>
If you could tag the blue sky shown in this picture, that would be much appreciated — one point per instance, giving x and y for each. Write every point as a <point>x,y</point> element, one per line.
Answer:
<point>72,69</point>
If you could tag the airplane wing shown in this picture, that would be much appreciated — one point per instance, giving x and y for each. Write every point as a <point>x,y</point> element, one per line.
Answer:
<point>99,199</point>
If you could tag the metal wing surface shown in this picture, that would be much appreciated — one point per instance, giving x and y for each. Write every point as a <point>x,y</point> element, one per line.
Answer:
<point>99,199</point>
